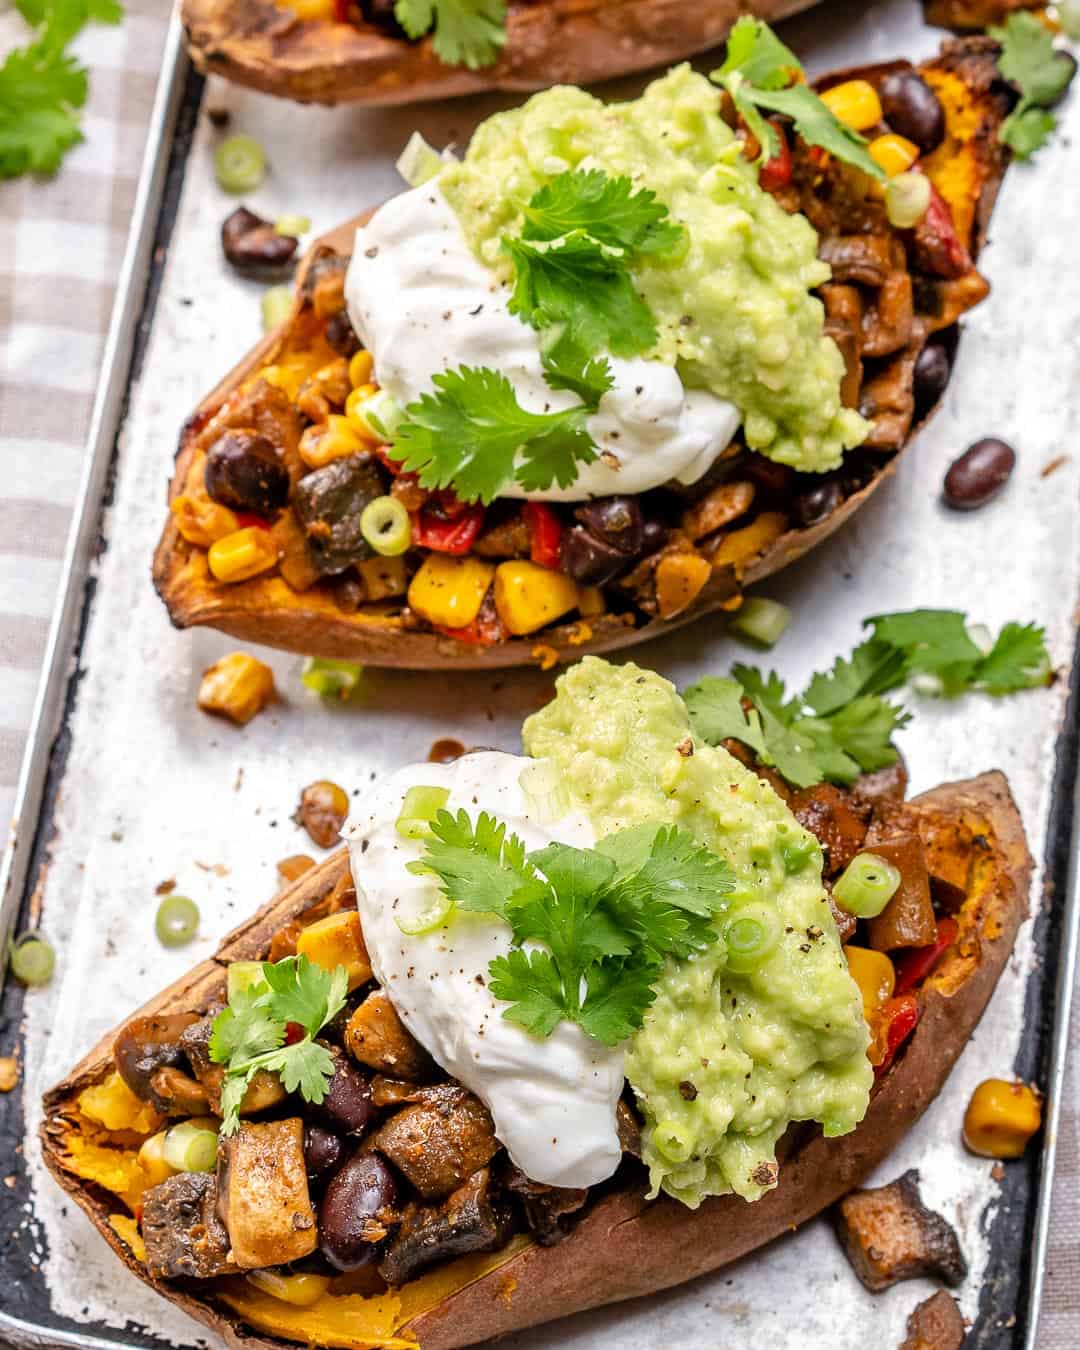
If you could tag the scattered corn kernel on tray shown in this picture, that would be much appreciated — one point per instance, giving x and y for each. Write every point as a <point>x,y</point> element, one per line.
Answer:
<point>148,794</point>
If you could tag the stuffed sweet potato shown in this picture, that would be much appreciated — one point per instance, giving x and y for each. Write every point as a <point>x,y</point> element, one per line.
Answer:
<point>338,51</point>
<point>499,1252</point>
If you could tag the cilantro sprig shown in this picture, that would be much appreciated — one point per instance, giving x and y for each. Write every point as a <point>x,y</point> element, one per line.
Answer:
<point>572,283</point>
<point>250,1034</point>
<point>1030,61</point>
<point>607,917</point>
<point>841,725</point>
<point>42,87</point>
<point>464,32</point>
<point>761,73</point>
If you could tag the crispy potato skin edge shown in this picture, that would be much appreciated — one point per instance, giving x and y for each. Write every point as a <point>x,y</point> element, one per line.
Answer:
<point>624,1248</point>
<point>259,44</point>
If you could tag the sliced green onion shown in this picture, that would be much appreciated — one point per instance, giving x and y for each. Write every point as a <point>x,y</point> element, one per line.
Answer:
<point>32,959</point>
<point>293,226</point>
<point>544,786</point>
<point>191,1148</point>
<point>762,621</point>
<point>419,809</point>
<point>380,412</point>
<point>239,164</point>
<point>330,678</point>
<point>867,885</point>
<point>242,976</point>
<point>276,305</point>
<point>177,920</point>
<point>907,197</point>
<point>386,526</point>
<point>426,920</point>
<point>419,161</point>
<point>751,931</point>
<point>672,1140</point>
<point>798,852</point>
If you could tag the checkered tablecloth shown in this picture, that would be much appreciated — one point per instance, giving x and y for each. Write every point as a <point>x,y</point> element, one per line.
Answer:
<point>61,245</point>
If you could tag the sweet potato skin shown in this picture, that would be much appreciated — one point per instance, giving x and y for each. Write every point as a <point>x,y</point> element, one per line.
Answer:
<point>624,1247</point>
<point>265,609</point>
<point>263,45</point>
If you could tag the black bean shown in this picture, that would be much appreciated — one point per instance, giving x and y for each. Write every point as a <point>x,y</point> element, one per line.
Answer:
<point>358,1191</point>
<point>589,560</point>
<point>979,474</point>
<point>322,1152</point>
<point>253,246</point>
<point>614,520</point>
<point>243,472</point>
<point>912,109</point>
<point>652,536</point>
<point>347,1105</point>
<point>341,335</point>
<point>330,502</point>
<point>932,370</point>
<point>818,501</point>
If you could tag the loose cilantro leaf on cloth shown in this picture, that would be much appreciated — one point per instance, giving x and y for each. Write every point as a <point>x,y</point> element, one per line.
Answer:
<point>608,210</point>
<point>759,73</point>
<point>42,88</point>
<point>1030,61</point>
<point>840,725</point>
<point>470,431</point>
<point>466,32</point>
<point>607,917</point>
<point>249,1035</point>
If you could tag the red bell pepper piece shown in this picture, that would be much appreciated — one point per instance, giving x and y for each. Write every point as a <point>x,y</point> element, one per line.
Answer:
<point>902,1015</point>
<point>294,1032</point>
<point>545,534</point>
<point>937,245</point>
<point>486,630</point>
<point>447,536</point>
<point>381,453</point>
<point>776,172</point>
<point>914,966</point>
<point>341,11</point>
<point>246,518</point>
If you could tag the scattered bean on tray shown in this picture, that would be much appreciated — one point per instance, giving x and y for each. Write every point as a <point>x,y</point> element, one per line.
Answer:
<point>979,474</point>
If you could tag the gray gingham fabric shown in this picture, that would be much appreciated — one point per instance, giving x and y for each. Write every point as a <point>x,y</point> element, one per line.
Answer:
<point>61,244</point>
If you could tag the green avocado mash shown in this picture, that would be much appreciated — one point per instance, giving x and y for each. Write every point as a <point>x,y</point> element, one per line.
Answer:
<point>733,306</point>
<point>724,1061</point>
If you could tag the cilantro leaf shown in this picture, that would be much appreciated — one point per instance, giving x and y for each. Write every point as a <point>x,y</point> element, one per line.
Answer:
<point>873,667</point>
<point>1018,660</point>
<point>675,870</point>
<point>566,366</point>
<point>305,1067</point>
<point>530,983</point>
<point>605,209</point>
<point>302,992</point>
<point>480,868</point>
<point>619,994</point>
<point>758,72</point>
<point>467,32</point>
<point>1030,61</point>
<point>246,1027</point>
<point>717,714</point>
<point>469,432</point>
<point>1026,130</point>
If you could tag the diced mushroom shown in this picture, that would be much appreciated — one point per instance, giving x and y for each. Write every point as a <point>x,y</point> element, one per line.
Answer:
<point>629,1129</point>
<point>329,503</point>
<point>886,325</point>
<point>472,1219</point>
<point>889,1235</point>
<point>180,1226</point>
<point>547,1209</point>
<point>264,1202</point>
<point>376,1037</point>
<point>936,1324</point>
<point>908,919</point>
<point>146,1045</point>
<point>867,258</point>
<point>263,1092</point>
<point>718,508</point>
<point>835,819</point>
<point>440,1141</point>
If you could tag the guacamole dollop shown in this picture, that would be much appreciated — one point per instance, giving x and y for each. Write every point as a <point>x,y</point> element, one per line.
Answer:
<point>733,306</point>
<point>724,1061</point>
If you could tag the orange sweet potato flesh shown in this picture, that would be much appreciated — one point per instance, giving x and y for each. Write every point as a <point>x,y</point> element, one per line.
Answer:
<point>262,44</point>
<point>624,1246</point>
<point>267,610</point>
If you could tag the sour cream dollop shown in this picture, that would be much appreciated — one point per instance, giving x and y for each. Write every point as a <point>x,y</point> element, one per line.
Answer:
<point>422,302</point>
<point>552,1100</point>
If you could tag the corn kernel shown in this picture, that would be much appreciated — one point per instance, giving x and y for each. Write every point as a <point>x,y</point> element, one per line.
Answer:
<point>1001,1117</point>
<point>334,439</point>
<point>354,411</point>
<point>875,975</point>
<point>591,602</point>
<point>201,521</point>
<point>855,103</point>
<point>360,368</point>
<point>309,9</point>
<point>238,686</point>
<point>895,154</point>
<point>243,554</point>
<point>528,596</point>
<point>449,591</point>
<point>383,577</point>
<point>738,548</point>
<point>337,941</point>
<point>680,578</point>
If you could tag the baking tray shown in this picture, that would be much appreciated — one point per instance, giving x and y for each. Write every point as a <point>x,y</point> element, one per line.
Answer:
<point>127,785</point>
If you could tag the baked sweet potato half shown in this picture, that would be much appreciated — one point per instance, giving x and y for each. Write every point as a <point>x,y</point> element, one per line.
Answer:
<point>603,573</point>
<point>499,1253</point>
<point>341,51</point>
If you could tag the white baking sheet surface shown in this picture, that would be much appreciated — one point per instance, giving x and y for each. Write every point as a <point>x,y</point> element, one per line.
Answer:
<point>156,790</point>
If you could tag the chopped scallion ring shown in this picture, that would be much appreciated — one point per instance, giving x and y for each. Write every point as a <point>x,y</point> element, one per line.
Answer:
<point>432,916</point>
<point>33,959</point>
<point>239,164</point>
<point>419,809</point>
<point>191,1147</point>
<point>330,678</point>
<point>762,621</point>
<point>242,976</point>
<point>907,199</point>
<point>292,226</point>
<point>386,526</point>
<point>751,931</point>
<point>867,885</point>
<point>672,1140</point>
<point>276,304</point>
<point>177,920</point>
